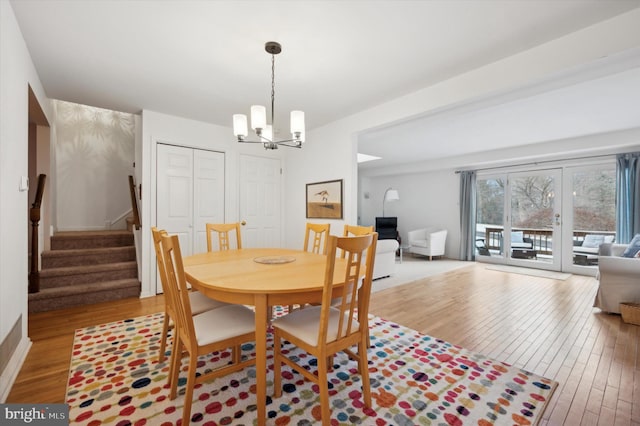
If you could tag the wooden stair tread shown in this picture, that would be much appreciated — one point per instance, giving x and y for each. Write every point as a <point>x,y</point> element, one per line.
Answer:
<point>83,289</point>
<point>75,270</point>
<point>86,252</point>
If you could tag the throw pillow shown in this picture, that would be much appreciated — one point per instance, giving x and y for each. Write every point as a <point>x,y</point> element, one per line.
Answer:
<point>516,236</point>
<point>633,248</point>
<point>593,241</point>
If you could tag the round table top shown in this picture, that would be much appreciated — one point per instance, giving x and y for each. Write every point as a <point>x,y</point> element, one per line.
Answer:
<point>237,271</point>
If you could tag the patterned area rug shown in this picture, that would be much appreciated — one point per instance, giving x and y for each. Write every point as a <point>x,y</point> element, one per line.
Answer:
<point>115,378</point>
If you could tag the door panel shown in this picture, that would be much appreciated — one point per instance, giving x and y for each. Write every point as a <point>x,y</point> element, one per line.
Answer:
<point>260,202</point>
<point>189,193</point>
<point>533,226</point>
<point>208,194</point>
<point>174,198</point>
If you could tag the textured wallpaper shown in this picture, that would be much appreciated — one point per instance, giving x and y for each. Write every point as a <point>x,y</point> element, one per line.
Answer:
<point>94,155</point>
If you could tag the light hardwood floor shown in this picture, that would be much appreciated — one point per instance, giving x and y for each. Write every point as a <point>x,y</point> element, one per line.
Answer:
<point>545,326</point>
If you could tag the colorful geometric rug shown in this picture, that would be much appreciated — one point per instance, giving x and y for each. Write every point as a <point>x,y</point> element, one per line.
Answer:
<point>115,378</point>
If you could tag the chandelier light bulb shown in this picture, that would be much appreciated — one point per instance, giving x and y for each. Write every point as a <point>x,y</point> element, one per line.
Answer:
<point>258,117</point>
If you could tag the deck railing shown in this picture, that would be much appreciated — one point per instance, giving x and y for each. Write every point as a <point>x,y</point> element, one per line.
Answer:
<point>542,238</point>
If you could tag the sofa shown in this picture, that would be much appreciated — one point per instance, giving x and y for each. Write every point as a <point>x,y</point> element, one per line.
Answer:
<point>427,242</point>
<point>619,278</point>
<point>385,264</point>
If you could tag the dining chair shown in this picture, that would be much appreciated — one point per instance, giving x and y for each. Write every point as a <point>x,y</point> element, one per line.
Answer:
<point>355,231</point>
<point>223,229</point>
<point>199,302</point>
<point>317,234</point>
<point>196,335</point>
<point>331,327</point>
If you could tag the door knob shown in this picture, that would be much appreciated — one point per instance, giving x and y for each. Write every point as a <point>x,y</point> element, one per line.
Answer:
<point>243,223</point>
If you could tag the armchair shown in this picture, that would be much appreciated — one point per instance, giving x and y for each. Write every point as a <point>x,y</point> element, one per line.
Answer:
<point>387,228</point>
<point>619,278</point>
<point>427,242</point>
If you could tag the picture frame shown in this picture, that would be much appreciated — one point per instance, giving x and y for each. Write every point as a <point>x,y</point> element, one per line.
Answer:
<point>324,200</point>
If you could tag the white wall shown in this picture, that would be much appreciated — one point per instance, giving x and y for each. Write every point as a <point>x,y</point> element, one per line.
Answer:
<point>429,199</point>
<point>330,151</point>
<point>17,73</point>
<point>162,128</point>
<point>94,157</point>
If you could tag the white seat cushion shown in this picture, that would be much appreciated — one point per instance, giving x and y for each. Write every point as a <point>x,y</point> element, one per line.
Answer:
<point>223,323</point>
<point>201,303</point>
<point>304,324</point>
<point>419,243</point>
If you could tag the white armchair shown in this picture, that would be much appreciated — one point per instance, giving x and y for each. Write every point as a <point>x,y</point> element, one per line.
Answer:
<point>619,278</point>
<point>427,242</point>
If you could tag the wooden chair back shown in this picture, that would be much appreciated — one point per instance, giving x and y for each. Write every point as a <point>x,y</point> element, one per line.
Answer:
<point>223,229</point>
<point>320,232</point>
<point>354,298</point>
<point>355,231</point>
<point>177,291</point>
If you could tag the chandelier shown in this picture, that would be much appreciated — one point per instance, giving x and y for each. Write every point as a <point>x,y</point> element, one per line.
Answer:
<point>264,131</point>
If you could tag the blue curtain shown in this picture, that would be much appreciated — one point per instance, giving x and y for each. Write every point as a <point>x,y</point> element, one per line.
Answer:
<point>467,215</point>
<point>627,196</point>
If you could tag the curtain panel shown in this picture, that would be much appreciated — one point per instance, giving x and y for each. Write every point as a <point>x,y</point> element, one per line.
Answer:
<point>627,196</point>
<point>467,215</point>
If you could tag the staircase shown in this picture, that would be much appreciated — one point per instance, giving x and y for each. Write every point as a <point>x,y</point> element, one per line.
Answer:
<point>83,268</point>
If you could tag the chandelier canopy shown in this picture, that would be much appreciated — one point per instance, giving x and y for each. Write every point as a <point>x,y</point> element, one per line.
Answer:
<point>264,131</point>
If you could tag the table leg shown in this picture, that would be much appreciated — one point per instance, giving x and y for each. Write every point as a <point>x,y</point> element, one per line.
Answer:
<point>261,358</point>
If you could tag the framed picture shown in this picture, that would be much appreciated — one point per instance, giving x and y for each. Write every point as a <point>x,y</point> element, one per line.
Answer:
<point>324,199</point>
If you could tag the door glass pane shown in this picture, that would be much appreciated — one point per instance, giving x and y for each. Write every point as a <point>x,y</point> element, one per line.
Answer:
<point>532,217</point>
<point>489,216</point>
<point>594,219</point>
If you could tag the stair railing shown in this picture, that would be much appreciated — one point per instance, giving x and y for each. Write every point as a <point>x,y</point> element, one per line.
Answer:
<point>34,216</point>
<point>134,203</point>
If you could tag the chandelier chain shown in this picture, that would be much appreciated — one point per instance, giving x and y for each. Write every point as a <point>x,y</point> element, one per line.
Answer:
<point>273,89</point>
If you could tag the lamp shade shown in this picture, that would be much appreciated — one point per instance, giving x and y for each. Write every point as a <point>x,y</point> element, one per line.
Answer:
<point>240,125</point>
<point>267,133</point>
<point>258,117</point>
<point>297,122</point>
<point>391,195</point>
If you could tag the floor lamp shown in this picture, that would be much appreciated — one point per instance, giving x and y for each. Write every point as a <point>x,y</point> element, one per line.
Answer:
<point>389,195</point>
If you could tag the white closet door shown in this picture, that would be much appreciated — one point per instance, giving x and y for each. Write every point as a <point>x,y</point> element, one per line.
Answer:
<point>174,198</point>
<point>189,193</point>
<point>208,174</point>
<point>260,182</point>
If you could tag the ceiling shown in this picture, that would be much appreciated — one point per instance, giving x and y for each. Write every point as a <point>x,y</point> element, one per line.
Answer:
<point>205,60</point>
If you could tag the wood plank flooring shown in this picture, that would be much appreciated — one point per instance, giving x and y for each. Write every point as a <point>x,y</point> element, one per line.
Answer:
<point>543,325</point>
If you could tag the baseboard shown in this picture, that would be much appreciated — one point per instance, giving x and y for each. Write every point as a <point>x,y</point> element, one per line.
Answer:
<point>13,368</point>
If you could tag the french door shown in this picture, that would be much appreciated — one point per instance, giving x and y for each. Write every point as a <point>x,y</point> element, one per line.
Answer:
<point>518,220</point>
<point>523,219</point>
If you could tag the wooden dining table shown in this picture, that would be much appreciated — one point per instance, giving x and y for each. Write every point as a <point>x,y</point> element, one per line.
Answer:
<point>263,278</point>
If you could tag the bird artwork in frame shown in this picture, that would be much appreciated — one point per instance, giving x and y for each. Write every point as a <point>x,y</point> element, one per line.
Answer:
<point>324,199</point>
